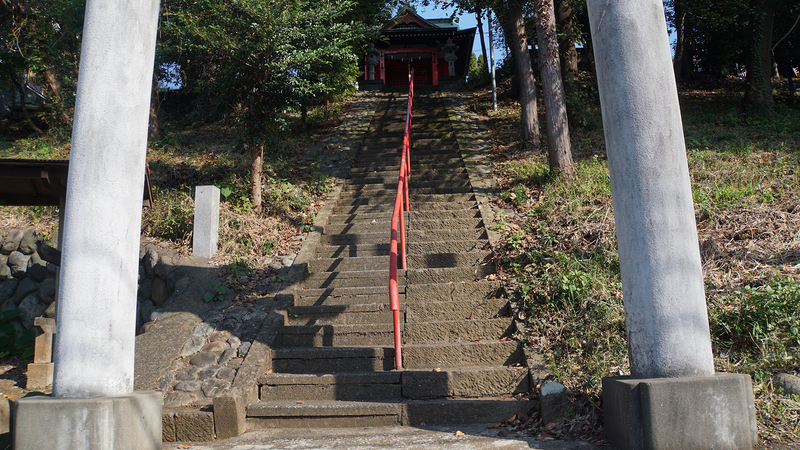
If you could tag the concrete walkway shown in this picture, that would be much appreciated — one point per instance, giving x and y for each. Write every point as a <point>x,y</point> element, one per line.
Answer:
<point>475,437</point>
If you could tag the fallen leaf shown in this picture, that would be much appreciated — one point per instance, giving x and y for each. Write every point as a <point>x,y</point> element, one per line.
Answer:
<point>497,425</point>
<point>437,369</point>
<point>184,446</point>
<point>268,372</point>
<point>459,433</point>
<point>300,402</point>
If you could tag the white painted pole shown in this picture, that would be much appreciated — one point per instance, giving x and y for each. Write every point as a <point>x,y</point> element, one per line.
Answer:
<point>662,281</point>
<point>491,59</point>
<point>97,296</point>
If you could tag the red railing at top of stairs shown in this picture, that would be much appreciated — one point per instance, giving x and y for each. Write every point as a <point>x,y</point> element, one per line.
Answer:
<point>400,206</point>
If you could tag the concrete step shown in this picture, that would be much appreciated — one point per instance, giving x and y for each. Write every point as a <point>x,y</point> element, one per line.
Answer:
<point>395,386</point>
<point>348,314</point>
<point>447,274</point>
<point>411,225</point>
<point>336,335</point>
<point>351,279</point>
<point>427,311</point>
<point>413,198</point>
<point>390,183</point>
<point>413,236</point>
<point>332,359</point>
<point>340,414</point>
<point>413,248</point>
<point>410,215</point>
<point>458,330</point>
<point>358,387</point>
<point>463,354</point>
<point>444,291</point>
<point>323,414</point>
<point>384,208</point>
<point>389,193</point>
<point>335,297</point>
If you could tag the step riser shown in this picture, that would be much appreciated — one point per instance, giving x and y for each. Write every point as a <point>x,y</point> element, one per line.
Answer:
<point>329,337</point>
<point>388,207</point>
<point>411,225</point>
<point>430,310</point>
<point>456,331</point>
<point>366,250</point>
<point>353,392</point>
<point>377,317</point>
<point>410,216</point>
<point>412,236</point>
<point>413,198</point>
<point>389,192</point>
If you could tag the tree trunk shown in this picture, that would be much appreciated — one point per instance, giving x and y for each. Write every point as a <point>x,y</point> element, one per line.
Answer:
<point>758,83</point>
<point>680,62</point>
<point>555,107</point>
<point>25,112</point>
<point>566,40</point>
<point>527,85</point>
<point>53,77</point>
<point>479,17</point>
<point>154,127</point>
<point>256,168</point>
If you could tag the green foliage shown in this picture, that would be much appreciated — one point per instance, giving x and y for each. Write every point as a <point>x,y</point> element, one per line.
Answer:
<point>217,293</point>
<point>764,321</point>
<point>239,267</point>
<point>171,217</point>
<point>12,342</point>
<point>282,196</point>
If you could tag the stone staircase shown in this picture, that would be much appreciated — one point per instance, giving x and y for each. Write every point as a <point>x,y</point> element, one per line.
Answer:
<point>333,359</point>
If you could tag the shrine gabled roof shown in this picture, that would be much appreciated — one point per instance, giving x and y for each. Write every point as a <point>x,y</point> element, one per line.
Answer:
<point>408,19</point>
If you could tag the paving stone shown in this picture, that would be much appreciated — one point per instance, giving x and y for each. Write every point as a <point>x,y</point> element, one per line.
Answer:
<point>203,359</point>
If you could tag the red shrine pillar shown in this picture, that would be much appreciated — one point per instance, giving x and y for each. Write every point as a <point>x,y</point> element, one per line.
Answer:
<point>383,68</point>
<point>435,69</point>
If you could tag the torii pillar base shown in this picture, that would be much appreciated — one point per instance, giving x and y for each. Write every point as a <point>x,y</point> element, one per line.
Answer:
<point>127,422</point>
<point>687,413</point>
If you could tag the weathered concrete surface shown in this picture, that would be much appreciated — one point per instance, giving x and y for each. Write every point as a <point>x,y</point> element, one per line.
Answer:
<point>94,350</point>
<point>472,437</point>
<point>378,386</point>
<point>465,382</point>
<point>333,414</point>
<point>430,356</point>
<point>690,413</point>
<point>458,330</point>
<point>131,421</point>
<point>421,311</point>
<point>662,280</point>
<point>206,221</point>
<point>442,412</point>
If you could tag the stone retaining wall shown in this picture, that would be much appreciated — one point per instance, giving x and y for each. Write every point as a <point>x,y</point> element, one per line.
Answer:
<point>28,283</point>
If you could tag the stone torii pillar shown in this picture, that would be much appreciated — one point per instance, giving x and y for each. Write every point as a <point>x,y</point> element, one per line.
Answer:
<point>673,398</point>
<point>93,404</point>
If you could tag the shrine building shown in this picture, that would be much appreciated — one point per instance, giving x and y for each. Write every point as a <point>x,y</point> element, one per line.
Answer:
<point>436,49</point>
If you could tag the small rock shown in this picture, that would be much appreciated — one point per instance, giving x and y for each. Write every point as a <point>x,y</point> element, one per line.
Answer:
<point>5,271</point>
<point>213,316</point>
<point>146,310</point>
<point>47,289</point>
<point>219,336</point>
<point>37,272</point>
<point>203,359</point>
<point>145,289</point>
<point>25,288</point>
<point>36,260</point>
<point>7,288</point>
<point>146,326</point>
<point>160,294</point>
<point>163,267</point>
<point>220,305</point>
<point>30,308</point>
<point>165,381</point>
<point>275,265</point>
<point>50,312</point>
<point>249,330</point>
<point>150,259</point>
<point>154,315</point>
<point>11,242</point>
<point>235,363</point>
<point>244,348</point>
<point>203,329</point>
<point>260,289</point>
<point>180,398</point>
<point>554,402</point>
<point>236,313</point>
<point>207,373</point>
<point>227,374</point>
<point>193,346</point>
<point>216,347</point>
<point>287,262</point>
<point>188,373</point>
<point>187,386</point>
<point>226,356</point>
<point>234,342</point>
<point>213,386</point>
<point>231,325</point>
<point>181,285</point>
<point>27,245</point>
<point>18,263</point>
<point>255,316</point>
<point>789,383</point>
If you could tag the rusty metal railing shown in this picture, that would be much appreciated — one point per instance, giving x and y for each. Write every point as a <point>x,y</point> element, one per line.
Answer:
<point>398,217</point>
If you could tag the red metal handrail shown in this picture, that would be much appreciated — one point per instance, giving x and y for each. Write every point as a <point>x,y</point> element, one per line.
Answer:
<point>401,205</point>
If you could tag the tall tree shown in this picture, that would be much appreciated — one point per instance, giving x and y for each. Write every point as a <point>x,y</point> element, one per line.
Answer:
<point>479,18</point>
<point>558,143</point>
<point>758,83</point>
<point>567,37</point>
<point>527,84</point>
<point>255,58</point>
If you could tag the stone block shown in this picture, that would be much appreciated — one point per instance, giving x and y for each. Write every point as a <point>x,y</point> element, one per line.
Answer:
<point>125,422</point>
<point>681,413</point>
<point>194,426</point>
<point>229,414</point>
<point>168,427</point>
<point>206,221</point>
<point>554,403</point>
<point>40,375</point>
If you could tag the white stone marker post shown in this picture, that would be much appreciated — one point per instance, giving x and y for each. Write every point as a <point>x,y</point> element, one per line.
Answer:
<point>672,399</point>
<point>206,221</point>
<point>93,403</point>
